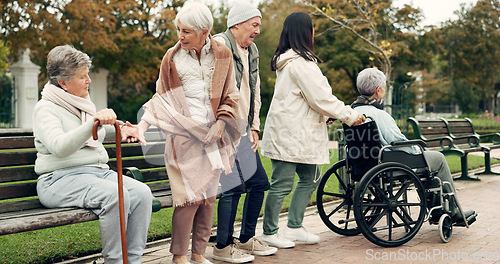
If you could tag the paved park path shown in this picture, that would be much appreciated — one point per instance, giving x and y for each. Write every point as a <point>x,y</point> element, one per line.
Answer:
<point>478,244</point>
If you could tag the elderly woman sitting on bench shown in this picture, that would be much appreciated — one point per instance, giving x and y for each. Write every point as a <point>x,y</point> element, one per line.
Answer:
<point>72,167</point>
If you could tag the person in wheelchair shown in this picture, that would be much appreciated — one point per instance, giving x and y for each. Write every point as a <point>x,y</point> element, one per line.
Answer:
<point>371,84</point>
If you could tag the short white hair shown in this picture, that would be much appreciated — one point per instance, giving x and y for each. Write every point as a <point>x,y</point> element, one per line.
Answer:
<point>369,79</point>
<point>63,62</point>
<point>196,16</point>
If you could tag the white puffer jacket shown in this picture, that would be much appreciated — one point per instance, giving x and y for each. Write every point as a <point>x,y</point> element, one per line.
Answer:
<point>295,128</point>
<point>196,78</point>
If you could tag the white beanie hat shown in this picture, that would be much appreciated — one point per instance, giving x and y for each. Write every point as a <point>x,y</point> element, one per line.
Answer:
<point>241,12</point>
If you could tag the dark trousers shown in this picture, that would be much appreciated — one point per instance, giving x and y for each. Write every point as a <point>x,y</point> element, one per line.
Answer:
<point>248,177</point>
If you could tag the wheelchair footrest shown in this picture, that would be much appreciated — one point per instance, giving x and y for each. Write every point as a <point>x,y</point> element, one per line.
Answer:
<point>471,219</point>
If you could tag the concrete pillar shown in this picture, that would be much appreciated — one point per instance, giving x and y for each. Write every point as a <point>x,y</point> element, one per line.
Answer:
<point>98,89</point>
<point>25,73</point>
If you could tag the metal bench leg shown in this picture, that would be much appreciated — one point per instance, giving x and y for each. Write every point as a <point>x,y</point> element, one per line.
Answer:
<point>487,165</point>
<point>465,171</point>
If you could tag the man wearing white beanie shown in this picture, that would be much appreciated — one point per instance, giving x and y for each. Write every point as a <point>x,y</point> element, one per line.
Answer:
<point>248,174</point>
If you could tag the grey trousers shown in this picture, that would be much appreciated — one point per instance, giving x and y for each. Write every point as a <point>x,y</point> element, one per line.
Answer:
<point>96,188</point>
<point>437,162</point>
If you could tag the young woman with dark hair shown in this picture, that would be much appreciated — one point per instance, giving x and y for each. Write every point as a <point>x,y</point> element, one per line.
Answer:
<point>297,34</point>
<point>295,135</point>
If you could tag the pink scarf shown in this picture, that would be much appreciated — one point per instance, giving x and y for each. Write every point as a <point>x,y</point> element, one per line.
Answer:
<point>83,108</point>
<point>194,168</point>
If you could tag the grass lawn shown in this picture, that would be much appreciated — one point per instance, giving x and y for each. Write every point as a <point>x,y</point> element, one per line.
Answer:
<point>66,242</point>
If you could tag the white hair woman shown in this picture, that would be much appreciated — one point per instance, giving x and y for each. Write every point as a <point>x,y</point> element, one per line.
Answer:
<point>195,105</point>
<point>72,166</point>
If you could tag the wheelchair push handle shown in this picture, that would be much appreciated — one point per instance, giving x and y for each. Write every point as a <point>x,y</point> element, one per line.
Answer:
<point>330,120</point>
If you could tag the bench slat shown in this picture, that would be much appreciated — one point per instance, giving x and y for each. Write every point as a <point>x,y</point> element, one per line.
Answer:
<point>140,162</point>
<point>165,198</point>
<point>14,142</point>
<point>155,175</point>
<point>436,132</point>
<point>17,174</point>
<point>18,180</point>
<point>11,223</point>
<point>128,150</point>
<point>159,186</point>
<point>24,205</point>
<point>154,135</point>
<point>18,158</point>
<point>461,130</point>
<point>18,190</point>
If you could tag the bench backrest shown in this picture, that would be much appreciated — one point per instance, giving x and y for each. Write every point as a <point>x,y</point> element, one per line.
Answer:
<point>427,129</point>
<point>462,131</point>
<point>18,178</point>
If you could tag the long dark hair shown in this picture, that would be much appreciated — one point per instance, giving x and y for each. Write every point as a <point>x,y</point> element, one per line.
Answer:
<point>297,34</point>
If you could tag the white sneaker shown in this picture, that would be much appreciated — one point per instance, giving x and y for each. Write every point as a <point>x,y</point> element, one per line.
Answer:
<point>277,240</point>
<point>300,235</point>
<point>206,261</point>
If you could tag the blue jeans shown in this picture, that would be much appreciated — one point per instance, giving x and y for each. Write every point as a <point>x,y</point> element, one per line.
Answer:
<point>248,177</point>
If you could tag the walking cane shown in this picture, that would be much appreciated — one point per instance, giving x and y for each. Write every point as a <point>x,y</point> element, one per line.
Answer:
<point>121,206</point>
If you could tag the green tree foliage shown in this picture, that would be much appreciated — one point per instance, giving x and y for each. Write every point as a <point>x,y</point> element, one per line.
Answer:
<point>130,37</point>
<point>274,13</point>
<point>352,35</point>
<point>361,18</point>
<point>220,17</point>
<point>6,117</point>
<point>127,37</point>
<point>471,48</point>
<point>4,53</point>
<point>465,96</point>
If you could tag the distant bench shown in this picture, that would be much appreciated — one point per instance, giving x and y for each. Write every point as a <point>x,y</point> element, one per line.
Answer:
<point>456,137</point>
<point>20,209</point>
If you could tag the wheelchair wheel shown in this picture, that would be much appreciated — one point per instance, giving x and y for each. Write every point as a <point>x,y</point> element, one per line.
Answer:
<point>397,209</point>
<point>445,228</point>
<point>340,216</point>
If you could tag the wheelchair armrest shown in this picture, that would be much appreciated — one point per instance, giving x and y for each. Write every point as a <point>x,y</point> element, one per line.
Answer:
<point>409,143</point>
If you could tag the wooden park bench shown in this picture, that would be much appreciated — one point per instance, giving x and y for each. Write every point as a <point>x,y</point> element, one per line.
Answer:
<point>20,209</point>
<point>455,137</point>
<point>463,133</point>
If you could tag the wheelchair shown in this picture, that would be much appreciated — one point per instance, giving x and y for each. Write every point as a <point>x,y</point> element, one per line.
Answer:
<point>385,193</point>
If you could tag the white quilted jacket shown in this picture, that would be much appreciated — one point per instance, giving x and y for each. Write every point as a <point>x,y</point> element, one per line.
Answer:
<point>196,79</point>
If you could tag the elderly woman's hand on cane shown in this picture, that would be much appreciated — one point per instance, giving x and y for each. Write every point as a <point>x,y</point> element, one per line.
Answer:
<point>107,117</point>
